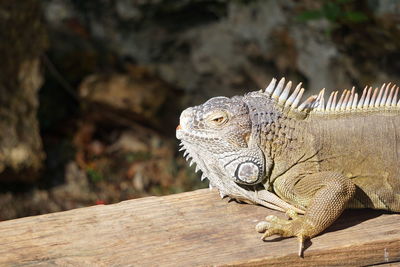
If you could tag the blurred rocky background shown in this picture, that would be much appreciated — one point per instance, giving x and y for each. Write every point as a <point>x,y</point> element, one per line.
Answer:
<point>91,91</point>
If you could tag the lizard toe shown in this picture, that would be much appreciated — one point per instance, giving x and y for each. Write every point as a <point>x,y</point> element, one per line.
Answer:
<point>292,214</point>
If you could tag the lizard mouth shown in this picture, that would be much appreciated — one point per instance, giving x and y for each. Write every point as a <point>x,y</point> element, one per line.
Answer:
<point>183,134</point>
<point>179,132</point>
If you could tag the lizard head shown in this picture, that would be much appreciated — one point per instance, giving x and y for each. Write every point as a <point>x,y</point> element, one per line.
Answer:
<point>219,137</point>
<point>234,141</point>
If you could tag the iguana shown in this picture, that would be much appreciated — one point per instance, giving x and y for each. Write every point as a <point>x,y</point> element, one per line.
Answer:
<point>315,158</point>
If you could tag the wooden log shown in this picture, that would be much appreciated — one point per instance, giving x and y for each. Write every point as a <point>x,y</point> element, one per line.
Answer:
<point>189,229</point>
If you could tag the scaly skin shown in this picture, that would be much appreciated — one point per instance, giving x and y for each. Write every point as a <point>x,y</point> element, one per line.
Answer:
<point>312,161</point>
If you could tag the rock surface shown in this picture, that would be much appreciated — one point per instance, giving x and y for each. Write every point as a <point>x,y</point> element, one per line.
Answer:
<point>24,39</point>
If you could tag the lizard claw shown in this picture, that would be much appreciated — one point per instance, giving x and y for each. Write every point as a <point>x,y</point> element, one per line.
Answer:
<point>285,228</point>
<point>301,240</point>
<point>271,232</point>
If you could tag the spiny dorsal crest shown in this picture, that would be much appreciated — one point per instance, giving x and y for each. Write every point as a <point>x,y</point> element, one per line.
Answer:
<point>384,97</point>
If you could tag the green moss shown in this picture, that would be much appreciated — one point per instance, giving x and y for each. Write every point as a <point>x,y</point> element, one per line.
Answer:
<point>137,156</point>
<point>337,12</point>
<point>94,175</point>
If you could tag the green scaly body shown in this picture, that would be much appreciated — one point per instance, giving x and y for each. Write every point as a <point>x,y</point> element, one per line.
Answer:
<point>311,159</point>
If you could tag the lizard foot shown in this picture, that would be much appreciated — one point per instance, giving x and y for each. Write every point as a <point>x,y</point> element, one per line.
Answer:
<point>285,228</point>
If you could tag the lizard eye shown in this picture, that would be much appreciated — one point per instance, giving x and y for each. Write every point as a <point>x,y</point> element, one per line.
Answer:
<point>218,118</point>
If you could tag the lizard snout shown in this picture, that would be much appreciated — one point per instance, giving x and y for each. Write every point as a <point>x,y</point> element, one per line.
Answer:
<point>185,119</point>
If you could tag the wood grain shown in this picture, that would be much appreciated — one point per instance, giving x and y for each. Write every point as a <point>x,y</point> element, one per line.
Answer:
<point>189,229</point>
